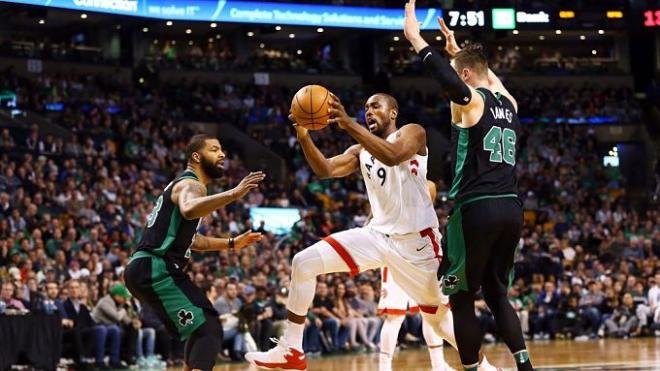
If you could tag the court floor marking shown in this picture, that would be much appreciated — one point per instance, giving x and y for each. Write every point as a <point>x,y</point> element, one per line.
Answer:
<point>600,365</point>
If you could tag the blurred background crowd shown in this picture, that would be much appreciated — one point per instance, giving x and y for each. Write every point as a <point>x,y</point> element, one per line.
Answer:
<point>71,213</point>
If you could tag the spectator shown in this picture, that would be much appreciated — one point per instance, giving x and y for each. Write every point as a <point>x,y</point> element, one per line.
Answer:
<point>146,343</point>
<point>257,317</point>
<point>325,323</point>
<point>280,312</point>
<point>547,305</point>
<point>520,305</point>
<point>8,292</point>
<point>150,320</point>
<point>590,304</point>
<point>624,322</point>
<point>567,323</point>
<point>365,310</point>
<point>84,332</point>
<point>654,303</point>
<point>228,306</point>
<point>110,314</point>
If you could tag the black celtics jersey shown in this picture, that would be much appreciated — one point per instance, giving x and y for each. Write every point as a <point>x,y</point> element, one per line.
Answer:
<point>167,233</point>
<point>484,156</point>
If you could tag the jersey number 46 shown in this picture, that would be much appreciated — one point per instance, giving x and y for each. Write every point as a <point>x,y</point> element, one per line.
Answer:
<point>496,140</point>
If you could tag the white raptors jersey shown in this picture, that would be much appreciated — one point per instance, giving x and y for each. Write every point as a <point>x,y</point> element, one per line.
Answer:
<point>399,195</point>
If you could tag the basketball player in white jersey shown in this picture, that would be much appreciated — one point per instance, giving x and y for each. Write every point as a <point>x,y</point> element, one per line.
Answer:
<point>403,234</point>
<point>393,305</point>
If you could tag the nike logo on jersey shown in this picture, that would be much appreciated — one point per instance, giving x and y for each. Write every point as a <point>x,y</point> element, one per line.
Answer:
<point>421,248</point>
<point>426,56</point>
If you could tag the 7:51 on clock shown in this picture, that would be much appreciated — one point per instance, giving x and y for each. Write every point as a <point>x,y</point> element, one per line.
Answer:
<point>468,18</point>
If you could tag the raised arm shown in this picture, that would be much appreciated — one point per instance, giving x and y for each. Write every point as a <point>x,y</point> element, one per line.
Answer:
<point>190,195</point>
<point>496,85</point>
<point>451,47</point>
<point>437,64</point>
<point>409,140</point>
<point>335,167</point>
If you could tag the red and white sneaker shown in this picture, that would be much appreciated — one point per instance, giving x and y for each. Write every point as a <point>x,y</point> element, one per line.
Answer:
<point>282,357</point>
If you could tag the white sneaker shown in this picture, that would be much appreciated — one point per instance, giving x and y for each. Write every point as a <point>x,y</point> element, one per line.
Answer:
<point>282,356</point>
<point>486,366</point>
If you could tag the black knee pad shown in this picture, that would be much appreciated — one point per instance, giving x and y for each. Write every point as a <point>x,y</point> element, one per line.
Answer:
<point>204,344</point>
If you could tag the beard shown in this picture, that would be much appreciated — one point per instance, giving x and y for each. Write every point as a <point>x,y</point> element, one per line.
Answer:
<point>380,128</point>
<point>210,169</point>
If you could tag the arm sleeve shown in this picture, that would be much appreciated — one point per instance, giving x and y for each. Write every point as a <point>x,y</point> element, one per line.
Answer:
<point>439,67</point>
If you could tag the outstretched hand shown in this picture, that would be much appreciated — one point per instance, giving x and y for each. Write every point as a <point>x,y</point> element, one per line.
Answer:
<point>451,46</point>
<point>250,182</point>
<point>411,28</point>
<point>246,239</point>
<point>410,22</point>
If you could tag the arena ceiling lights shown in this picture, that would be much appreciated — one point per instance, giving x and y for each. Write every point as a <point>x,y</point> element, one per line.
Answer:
<point>235,11</point>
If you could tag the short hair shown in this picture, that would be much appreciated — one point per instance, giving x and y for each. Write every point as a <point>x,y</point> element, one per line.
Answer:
<point>196,143</point>
<point>472,57</point>
<point>390,100</point>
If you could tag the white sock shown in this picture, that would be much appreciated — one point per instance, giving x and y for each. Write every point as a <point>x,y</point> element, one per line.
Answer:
<point>384,362</point>
<point>388,336</point>
<point>293,334</point>
<point>434,344</point>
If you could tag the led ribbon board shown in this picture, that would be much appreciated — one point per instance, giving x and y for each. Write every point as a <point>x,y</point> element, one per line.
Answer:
<point>250,12</point>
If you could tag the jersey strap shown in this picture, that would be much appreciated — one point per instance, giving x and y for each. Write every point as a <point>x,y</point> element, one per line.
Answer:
<point>188,174</point>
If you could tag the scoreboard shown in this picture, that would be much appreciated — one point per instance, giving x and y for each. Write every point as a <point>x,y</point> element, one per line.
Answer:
<point>652,18</point>
<point>305,14</point>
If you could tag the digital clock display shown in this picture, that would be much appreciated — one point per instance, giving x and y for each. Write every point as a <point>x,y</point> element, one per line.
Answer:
<point>652,18</point>
<point>469,18</point>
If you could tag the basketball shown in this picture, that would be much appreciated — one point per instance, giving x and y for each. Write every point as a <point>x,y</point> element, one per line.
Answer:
<point>310,107</point>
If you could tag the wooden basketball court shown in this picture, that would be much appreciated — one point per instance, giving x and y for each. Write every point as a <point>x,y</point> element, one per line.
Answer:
<point>609,354</point>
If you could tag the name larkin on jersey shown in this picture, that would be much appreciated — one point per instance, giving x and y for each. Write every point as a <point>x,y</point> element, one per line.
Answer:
<point>500,113</point>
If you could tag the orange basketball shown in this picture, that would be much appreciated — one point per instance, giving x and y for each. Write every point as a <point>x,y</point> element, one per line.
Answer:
<point>310,107</point>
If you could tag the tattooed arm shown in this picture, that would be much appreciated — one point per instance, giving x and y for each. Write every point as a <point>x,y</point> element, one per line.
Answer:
<point>190,196</point>
<point>204,243</point>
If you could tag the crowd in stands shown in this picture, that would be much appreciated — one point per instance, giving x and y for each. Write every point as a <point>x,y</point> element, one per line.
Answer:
<point>531,59</point>
<point>218,55</point>
<point>72,209</point>
<point>73,49</point>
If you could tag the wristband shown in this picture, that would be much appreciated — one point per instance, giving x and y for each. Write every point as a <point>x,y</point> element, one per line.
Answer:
<point>231,242</point>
